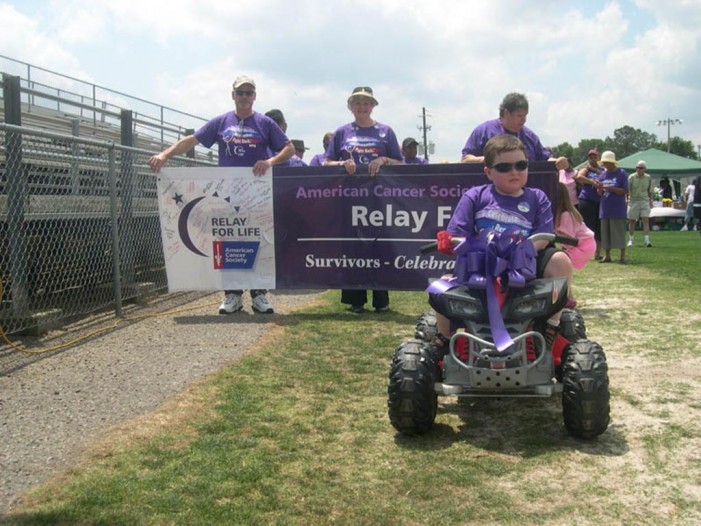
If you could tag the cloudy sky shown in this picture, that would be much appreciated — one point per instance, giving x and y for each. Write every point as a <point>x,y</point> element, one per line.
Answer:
<point>587,67</point>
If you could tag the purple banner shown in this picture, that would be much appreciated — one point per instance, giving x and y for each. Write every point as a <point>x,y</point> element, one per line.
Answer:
<point>334,230</point>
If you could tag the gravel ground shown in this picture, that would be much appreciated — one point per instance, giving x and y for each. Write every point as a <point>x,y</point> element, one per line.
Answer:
<point>53,405</point>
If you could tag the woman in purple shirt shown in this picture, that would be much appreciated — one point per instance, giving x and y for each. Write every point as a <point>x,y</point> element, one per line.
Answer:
<point>363,141</point>
<point>612,207</point>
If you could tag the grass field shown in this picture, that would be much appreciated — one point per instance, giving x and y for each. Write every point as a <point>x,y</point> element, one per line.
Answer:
<point>297,432</point>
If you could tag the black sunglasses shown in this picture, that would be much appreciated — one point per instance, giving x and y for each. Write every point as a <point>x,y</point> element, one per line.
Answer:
<point>246,92</point>
<point>507,167</point>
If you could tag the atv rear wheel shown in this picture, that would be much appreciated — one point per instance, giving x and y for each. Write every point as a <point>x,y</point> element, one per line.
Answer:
<point>585,395</point>
<point>412,401</point>
<point>426,329</point>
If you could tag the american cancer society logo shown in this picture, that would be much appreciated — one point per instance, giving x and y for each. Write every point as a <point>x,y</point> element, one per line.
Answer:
<point>235,254</point>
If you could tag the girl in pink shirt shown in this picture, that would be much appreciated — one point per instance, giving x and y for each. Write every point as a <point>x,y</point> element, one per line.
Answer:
<point>569,222</point>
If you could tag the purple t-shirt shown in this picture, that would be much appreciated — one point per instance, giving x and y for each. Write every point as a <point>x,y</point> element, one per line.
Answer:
<point>363,143</point>
<point>613,206</point>
<point>242,142</point>
<point>415,160</point>
<point>483,207</point>
<point>589,192</point>
<point>317,160</point>
<point>535,151</point>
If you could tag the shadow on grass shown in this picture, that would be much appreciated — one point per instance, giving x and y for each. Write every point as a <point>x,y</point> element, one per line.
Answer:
<point>294,319</point>
<point>522,427</point>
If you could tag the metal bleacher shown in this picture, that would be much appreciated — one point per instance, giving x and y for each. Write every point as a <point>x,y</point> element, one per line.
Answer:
<point>62,104</point>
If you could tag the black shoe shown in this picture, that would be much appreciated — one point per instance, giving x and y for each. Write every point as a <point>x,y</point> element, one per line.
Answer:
<point>382,309</point>
<point>357,309</point>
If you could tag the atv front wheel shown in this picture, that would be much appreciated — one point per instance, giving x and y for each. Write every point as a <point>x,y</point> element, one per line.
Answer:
<point>412,401</point>
<point>585,395</point>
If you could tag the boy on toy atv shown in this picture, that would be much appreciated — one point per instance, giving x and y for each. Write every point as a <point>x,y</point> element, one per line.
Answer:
<point>504,204</point>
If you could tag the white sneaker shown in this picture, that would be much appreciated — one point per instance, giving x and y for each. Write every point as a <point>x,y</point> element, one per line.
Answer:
<point>232,303</point>
<point>630,242</point>
<point>262,304</point>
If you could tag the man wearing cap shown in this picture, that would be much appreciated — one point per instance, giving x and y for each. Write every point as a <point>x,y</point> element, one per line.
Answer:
<point>244,138</point>
<point>639,202</point>
<point>409,150</point>
<point>590,196</point>
<point>512,121</point>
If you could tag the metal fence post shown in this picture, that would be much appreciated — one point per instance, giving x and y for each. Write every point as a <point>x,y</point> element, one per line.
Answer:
<point>17,195</point>
<point>114,220</point>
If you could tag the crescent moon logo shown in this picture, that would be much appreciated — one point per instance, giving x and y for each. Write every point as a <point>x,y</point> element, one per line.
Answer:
<point>364,159</point>
<point>182,226</point>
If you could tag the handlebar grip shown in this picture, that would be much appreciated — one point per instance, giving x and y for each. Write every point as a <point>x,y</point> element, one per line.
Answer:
<point>429,247</point>
<point>566,240</point>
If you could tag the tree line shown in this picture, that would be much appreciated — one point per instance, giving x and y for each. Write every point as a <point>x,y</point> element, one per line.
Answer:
<point>625,141</point>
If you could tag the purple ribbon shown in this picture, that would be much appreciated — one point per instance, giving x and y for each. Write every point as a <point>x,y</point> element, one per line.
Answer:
<point>490,255</point>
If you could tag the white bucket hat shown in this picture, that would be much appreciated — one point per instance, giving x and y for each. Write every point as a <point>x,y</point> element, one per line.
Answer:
<point>608,157</point>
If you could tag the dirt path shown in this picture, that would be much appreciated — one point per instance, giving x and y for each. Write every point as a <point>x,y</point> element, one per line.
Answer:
<point>53,405</point>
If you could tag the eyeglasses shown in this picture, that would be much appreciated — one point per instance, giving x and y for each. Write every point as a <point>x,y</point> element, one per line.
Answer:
<point>246,92</point>
<point>639,167</point>
<point>507,167</point>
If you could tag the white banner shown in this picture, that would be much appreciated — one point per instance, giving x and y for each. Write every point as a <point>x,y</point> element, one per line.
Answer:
<point>217,228</point>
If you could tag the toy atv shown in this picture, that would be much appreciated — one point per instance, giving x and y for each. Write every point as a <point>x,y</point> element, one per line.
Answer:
<point>473,365</point>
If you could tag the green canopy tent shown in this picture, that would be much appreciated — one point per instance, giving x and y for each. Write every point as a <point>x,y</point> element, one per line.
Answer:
<point>661,163</point>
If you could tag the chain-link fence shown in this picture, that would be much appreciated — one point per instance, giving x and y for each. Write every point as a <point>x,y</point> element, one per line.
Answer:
<point>79,227</point>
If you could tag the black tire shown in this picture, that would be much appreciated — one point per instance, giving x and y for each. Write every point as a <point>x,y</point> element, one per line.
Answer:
<point>426,329</point>
<point>572,325</point>
<point>412,401</point>
<point>585,395</point>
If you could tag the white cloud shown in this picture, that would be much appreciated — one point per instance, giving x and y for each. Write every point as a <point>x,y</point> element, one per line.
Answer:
<point>587,68</point>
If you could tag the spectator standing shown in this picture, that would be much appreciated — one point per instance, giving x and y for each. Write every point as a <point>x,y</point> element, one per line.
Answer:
<point>244,138</point>
<point>363,141</point>
<point>318,159</point>
<point>612,207</point>
<point>640,193</point>
<point>298,158</point>
<point>666,188</point>
<point>409,151</point>
<point>697,203</point>
<point>512,121</point>
<point>689,215</point>
<point>568,177</point>
<point>590,196</point>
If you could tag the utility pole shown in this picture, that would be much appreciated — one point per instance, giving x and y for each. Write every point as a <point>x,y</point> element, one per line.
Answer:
<point>423,128</point>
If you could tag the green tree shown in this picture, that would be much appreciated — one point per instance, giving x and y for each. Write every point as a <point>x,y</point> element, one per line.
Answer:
<point>628,140</point>
<point>680,147</point>
<point>563,150</point>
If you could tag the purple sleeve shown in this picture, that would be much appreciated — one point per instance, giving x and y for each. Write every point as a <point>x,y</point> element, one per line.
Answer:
<point>475,143</point>
<point>393,149</point>
<point>333,152</point>
<point>543,222</point>
<point>207,134</point>
<point>462,223</point>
